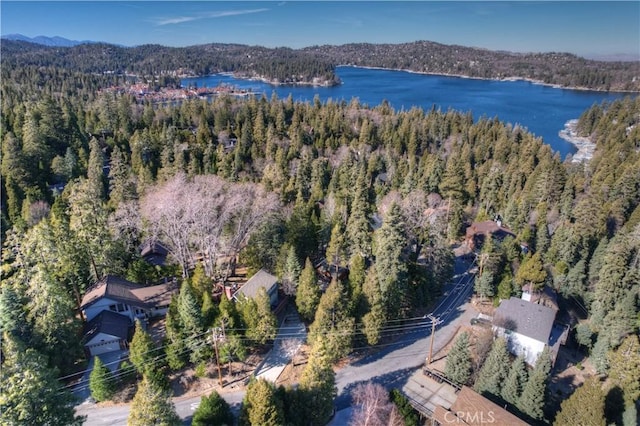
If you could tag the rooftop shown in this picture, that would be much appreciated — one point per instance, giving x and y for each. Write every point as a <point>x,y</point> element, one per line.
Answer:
<point>471,408</point>
<point>124,291</point>
<point>261,279</point>
<point>526,318</point>
<point>107,322</point>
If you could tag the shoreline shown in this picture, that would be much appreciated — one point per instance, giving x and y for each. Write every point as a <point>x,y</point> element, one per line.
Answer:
<point>584,145</point>
<point>505,79</point>
<point>325,83</point>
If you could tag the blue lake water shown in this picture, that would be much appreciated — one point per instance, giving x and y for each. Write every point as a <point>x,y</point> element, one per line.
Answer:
<point>543,110</point>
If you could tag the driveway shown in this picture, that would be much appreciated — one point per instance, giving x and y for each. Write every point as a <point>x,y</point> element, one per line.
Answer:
<point>111,360</point>
<point>291,335</point>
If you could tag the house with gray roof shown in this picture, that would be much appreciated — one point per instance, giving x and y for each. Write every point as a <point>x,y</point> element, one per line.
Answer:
<point>526,326</point>
<point>262,279</point>
<point>107,332</point>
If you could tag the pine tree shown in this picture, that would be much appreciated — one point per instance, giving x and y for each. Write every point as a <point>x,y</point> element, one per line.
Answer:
<point>484,284</point>
<point>261,405</point>
<point>532,272</point>
<point>584,407</point>
<point>532,399</point>
<point>495,369</point>
<point>101,381</point>
<point>291,272</point>
<point>336,253</point>
<point>515,382</point>
<point>391,267</point>
<point>30,391</point>
<point>257,315</point>
<point>142,350</point>
<point>308,294</point>
<point>458,366</point>
<point>152,406</point>
<point>318,385</point>
<point>213,410</point>
<point>625,368</point>
<point>374,320</point>
<point>332,322</point>
<point>358,229</point>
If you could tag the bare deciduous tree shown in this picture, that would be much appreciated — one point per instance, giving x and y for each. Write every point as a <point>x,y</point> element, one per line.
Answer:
<point>205,218</point>
<point>373,407</point>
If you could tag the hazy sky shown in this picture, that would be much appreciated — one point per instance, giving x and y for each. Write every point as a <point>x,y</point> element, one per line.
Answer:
<point>585,28</point>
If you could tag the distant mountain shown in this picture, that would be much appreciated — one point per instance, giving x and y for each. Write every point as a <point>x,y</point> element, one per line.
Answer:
<point>47,41</point>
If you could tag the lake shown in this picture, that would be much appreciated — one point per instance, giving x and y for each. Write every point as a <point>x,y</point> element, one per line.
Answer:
<point>543,110</point>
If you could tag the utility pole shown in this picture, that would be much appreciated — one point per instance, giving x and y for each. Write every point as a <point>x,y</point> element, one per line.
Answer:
<point>215,348</point>
<point>434,321</point>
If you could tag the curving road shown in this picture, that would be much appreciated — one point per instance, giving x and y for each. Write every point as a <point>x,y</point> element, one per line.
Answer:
<point>391,366</point>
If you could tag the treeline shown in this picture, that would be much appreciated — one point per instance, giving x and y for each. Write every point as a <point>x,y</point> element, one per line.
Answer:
<point>280,64</point>
<point>562,69</point>
<point>87,177</point>
<point>284,65</point>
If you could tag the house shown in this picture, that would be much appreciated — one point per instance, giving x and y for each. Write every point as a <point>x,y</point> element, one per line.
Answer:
<point>478,232</point>
<point>261,279</point>
<point>526,326</point>
<point>154,252</point>
<point>106,332</point>
<point>132,300</point>
<point>471,408</point>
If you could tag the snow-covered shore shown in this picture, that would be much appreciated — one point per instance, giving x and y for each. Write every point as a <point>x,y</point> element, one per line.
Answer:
<point>585,146</point>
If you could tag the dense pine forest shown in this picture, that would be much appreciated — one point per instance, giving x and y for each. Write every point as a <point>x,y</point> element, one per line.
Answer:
<point>318,63</point>
<point>88,176</point>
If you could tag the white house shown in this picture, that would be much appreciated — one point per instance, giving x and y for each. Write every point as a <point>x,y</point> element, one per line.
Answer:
<point>526,326</point>
<point>262,279</point>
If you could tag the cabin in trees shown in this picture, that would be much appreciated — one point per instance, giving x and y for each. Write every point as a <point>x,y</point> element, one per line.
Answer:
<point>262,279</point>
<point>471,408</point>
<point>111,306</point>
<point>528,328</point>
<point>478,232</point>
<point>154,252</point>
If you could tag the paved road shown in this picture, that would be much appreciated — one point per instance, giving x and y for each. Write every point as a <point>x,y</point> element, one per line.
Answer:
<point>391,366</point>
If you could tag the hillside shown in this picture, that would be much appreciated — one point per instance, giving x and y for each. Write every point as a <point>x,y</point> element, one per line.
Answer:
<point>302,66</point>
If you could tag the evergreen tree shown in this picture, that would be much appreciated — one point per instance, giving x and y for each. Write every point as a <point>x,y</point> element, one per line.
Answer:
<point>261,405</point>
<point>458,366</point>
<point>495,369</point>
<point>213,410</point>
<point>336,253</point>
<point>625,368</point>
<point>532,399</point>
<point>101,381</point>
<point>358,229</point>
<point>332,323</point>
<point>532,272</point>
<point>357,276</point>
<point>374,320</point>
<point>318,385</point>
<point>142,350</point>
<point>30,392</point>
<point>260,321</point>
<point>515,382</point>
<point>484,284</point>
<point>308,293</point>
<point>392,269</point>
<point>152,406</point>
<point>291,272</point>
<point>584,407</point>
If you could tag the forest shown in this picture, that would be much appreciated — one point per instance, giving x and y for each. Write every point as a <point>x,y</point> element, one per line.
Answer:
<point>303,66</point>
<point>88,176</point>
